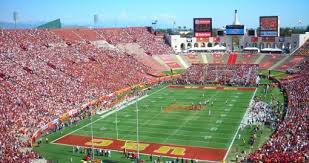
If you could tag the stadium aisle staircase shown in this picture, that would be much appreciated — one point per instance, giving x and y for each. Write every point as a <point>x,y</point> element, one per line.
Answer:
<point>159,60</point>
<point>182,61</point>
<point>280,62</point>
<point>259,59</point>
<point>150,62</point>
<point>232,59</point>
<point>204,58</point>
<point>248,75</point>
<point>291,62</point>
<point>206,73</point>
<point>170,61</point>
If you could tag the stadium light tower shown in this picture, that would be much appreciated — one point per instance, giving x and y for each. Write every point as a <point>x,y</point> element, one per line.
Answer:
<point>95,20</point>
<point>15,17</point>
<point>300,22</point>
<point>154,24</point>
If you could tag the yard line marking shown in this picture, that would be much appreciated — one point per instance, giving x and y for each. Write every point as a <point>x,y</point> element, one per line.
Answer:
<point>107,114</point>
<point>188,135</point>
<point>146,122</point>
<point>181,126</point>
<point>170,120</point>
<point>161,127</point>
<point>227,110</point>
<point>219,121</point>
<point>251,101</point>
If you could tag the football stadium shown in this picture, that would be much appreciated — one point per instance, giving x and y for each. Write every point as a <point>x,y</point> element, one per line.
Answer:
<point>205,90</point>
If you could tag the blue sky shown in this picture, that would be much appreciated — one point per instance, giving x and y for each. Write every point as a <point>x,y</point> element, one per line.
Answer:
<point>143,12</point>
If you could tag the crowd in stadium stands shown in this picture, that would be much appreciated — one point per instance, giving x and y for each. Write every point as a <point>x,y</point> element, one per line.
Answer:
<point>38,83</point>
<point>303,50</point>
<point>234,74</point>
<point>15,40</point>
<point>151,43</point>
<point>32,39</point>
<point>290,141</point>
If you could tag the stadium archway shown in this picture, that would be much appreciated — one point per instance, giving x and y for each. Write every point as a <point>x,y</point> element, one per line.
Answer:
<point>274,45</point>
<point>268,45</point>
<point>182,46</point>
<point>209,44</point>
<point>196,45</point>
<point>261,45</point>
<point>203,44</point>
<point>189,45</point>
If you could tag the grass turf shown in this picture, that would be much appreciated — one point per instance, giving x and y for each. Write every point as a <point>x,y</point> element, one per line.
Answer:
<point>265,131</point>
<point>274,73</point>
<point>175,71</point>
<point>181,127</point>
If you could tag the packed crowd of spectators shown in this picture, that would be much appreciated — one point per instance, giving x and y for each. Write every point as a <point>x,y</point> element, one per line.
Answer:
<point>38,83</point>
<point>290,141</point>
<point>194,74</point>
<point>235,74</point>
<point>151,43</point>
<point>16,40</point>
<point>303,50</point>
<point>30,39</point>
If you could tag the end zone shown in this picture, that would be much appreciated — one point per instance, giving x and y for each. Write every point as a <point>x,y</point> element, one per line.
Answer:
<point>169,150</point>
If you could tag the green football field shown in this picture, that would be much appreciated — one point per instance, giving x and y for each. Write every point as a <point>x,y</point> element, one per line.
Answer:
<point>182,127</point>
<point>165,116</point>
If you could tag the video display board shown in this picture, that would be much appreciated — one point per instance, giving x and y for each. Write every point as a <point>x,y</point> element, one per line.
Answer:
<point>235,30</point>
<point>269,26</point>
<point>202,27</point>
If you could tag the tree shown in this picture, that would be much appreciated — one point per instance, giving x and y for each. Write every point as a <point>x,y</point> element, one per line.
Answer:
<point>307,29</point>
<point>288,31</point>
<point>179,28</point>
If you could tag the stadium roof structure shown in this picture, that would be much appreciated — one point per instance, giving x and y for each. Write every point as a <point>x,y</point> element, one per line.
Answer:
<point>272,49</point>
<point>55,24</point>
<point>251,48</point>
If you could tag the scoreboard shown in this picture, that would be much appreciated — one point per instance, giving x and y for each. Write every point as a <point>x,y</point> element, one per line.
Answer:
<point>202,27</point>
<point>235,30</point>
<point>269,26</point>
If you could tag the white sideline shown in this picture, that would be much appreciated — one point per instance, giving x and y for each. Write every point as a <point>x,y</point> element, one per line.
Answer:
<point>250,104</point>
<point>107,114</point>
